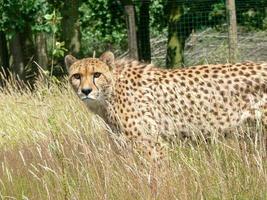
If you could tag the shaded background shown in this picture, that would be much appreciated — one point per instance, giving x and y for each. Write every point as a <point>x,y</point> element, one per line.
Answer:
<point>168,33</point>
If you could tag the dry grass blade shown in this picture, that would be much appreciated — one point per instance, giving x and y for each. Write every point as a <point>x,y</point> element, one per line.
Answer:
<point>53,148</point>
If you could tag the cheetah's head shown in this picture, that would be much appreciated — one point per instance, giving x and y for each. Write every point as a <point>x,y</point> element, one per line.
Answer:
<point>91,78</point>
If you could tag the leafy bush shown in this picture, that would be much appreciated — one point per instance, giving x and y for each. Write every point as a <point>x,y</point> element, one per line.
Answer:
<point>103,26</point>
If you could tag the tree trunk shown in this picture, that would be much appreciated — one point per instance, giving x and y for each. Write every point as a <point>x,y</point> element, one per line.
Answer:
<point>4,54</point>
<point>131,31</point>
<point>28,51</point>
<point>143,32</point>
<point>232,30</point>
<point>17,55</point>
<point>41,50</point>
<point>70,26</point>
<point>131,28</point>
<point>27,44</point>
<point>176,40</point>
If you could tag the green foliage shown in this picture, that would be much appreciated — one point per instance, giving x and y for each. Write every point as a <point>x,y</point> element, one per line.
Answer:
<point>59,49</point>
<point>16,15</point>
<point>102,25</point>
<point>252,18</point>
<point>103,22</point>
<point>251,14</point>
<point>41,22</point>
<point>158,19</point>
<point>52,21</point>
<point>53,25</point>
<point>218,13</point>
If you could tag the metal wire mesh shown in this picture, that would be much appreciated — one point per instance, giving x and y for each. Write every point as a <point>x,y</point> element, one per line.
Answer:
<point>204,24</point>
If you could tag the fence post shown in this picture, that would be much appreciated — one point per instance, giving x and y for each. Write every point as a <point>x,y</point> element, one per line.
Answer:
<point>131,31</point>
<point>232,30</point>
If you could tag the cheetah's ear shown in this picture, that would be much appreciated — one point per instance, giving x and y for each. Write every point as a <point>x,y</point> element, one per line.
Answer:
<point>69,60</point>
<point>108,58</point>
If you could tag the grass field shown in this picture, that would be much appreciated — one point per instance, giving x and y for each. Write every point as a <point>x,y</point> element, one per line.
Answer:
<point>52,147</point>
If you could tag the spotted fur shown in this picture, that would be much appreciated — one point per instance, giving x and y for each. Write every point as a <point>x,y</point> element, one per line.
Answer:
<point>150,105</point>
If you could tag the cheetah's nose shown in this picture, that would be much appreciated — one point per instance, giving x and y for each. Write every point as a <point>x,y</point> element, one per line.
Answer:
<point>86,91</point>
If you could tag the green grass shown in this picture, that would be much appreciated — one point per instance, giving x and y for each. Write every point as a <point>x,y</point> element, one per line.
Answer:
<point>52,147</point>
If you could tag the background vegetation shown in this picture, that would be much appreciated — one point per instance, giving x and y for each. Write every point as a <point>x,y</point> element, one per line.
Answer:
<point>46,30</point>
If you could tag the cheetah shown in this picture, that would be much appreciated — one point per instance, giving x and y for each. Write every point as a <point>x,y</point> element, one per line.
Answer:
<point>152,106</point>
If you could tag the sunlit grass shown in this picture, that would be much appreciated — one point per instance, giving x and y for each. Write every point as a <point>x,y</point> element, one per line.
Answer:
<point>52,147</point>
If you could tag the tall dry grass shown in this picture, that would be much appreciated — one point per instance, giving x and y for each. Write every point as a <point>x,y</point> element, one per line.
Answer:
<point>52,147</point>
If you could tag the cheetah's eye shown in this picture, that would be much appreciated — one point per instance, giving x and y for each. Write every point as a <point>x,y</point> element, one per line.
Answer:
<point>97,75</point>
<point>77,76</point>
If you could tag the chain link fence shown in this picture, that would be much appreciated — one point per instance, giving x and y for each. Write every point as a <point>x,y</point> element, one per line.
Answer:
<point>208,40</point>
